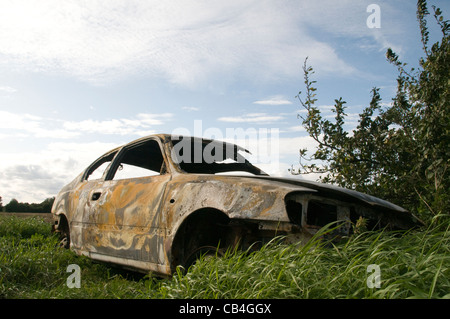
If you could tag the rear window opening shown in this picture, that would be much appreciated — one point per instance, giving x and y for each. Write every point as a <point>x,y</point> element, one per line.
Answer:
<point>97,170</point>
<point>320,214</point>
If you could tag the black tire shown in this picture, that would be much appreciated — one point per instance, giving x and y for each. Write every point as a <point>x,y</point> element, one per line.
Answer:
<point>64,240</point>
<point>64,233</point>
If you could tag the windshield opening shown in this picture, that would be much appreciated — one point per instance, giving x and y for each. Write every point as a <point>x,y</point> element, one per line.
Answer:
<point>203,156</point>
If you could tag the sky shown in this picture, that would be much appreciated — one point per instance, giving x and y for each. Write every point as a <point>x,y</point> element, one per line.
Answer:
<point>78,78</point>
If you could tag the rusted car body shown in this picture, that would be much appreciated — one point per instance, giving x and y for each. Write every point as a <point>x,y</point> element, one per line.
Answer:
<point>160,201</point>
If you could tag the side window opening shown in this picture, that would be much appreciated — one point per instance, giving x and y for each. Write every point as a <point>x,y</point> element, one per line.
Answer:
<point>97,170</point>
<point>140,161</point>
<point>320,214</point>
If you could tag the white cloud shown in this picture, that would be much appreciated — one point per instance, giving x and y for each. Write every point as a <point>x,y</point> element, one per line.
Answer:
<point>154,119</point>
<point>348,18</point>
<point>142,123</point>
<point>257,118</point>
<point>7,89</point>
<point>289,157</point>
<point>190,108</point>
<point>297,128</point>
<point>33,176</point>
<point>27,124</point>
<point>274,100</point>
<point>183,42</point>
<point>31,124</point>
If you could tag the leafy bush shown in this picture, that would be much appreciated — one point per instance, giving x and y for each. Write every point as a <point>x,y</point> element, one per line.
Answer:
<point>400,153</point>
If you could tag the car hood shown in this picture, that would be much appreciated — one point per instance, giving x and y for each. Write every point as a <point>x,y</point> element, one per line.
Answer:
<point>340,193</point>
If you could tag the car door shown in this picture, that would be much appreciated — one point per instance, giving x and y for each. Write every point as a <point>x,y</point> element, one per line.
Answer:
<point>83,219</point>
<point>125,207</point>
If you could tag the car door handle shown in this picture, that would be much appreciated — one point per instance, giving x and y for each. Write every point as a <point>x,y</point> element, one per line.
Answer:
<point>96,195</point>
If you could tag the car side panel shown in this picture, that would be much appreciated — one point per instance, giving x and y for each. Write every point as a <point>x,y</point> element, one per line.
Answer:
<point>237,198</point>
<point>122,224</point>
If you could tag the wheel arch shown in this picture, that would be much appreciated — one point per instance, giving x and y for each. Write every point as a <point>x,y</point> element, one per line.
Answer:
<point>203,227</point>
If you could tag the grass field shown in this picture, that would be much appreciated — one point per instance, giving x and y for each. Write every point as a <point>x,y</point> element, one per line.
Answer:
<point>411,265</point>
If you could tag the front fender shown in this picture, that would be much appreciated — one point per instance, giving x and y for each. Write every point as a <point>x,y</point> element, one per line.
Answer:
<point>236,197</point>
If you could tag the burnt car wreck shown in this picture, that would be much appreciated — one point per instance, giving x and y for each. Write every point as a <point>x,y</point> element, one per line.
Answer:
<point>161,201</point>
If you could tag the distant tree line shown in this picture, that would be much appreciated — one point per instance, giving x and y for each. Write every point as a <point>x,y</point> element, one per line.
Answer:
<point>15,206</point>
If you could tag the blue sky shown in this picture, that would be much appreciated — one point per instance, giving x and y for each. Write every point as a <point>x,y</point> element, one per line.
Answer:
<point>78,78</point>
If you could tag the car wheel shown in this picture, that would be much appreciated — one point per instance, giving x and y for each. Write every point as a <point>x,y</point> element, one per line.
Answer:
<point>64,233</point>
<point>64,241</point>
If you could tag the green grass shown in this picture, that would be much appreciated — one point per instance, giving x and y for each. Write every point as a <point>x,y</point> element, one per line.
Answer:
<point>33,266</point>
<point>415,265</point>
<point>412,265</point>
